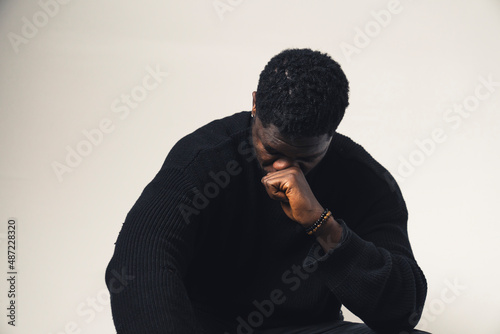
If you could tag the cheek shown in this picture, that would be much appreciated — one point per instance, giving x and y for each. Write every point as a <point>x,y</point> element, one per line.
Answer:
<point>263,157</point>
<point>310,166</point>
<point>260,158</point>
<point>305,167</point>
<point>266,159</point>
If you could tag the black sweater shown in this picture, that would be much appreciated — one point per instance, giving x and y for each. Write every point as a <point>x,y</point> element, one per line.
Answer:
<point>205,250</point>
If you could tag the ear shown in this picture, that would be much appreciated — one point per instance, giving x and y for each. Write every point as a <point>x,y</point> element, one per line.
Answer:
<point>254,110</point>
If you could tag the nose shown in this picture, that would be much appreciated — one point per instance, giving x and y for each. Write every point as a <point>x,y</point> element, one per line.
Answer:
<point>283,163</point>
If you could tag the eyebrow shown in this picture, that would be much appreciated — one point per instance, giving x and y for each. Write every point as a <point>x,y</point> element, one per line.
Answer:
<point>271,150</point>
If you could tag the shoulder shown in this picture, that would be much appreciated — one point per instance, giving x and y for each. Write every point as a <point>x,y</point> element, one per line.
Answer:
<point>211,144</point>
<point>360,171</point>
<point>343,150</point>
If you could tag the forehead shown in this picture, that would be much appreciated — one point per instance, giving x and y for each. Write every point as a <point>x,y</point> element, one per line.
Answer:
<point>270,137</point>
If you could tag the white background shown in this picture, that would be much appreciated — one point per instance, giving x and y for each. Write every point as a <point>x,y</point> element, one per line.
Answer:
<point>68,72</point>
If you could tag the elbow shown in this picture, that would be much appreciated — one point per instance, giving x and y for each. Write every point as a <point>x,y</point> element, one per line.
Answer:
<point>401,317</point>
<point>400,305</point>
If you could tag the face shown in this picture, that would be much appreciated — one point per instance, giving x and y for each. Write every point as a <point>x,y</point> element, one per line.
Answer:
<point>274,152</point>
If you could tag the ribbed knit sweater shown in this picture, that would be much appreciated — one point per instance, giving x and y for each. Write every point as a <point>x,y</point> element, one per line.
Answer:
<point>205,250</point>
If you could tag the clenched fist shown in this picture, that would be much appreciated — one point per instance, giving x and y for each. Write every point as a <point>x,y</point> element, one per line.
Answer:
<point>290,187</point>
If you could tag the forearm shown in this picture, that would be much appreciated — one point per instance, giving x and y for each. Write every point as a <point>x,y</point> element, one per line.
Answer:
<point>149,300</point>
<point>386,290</point>
<point>153,248</point>
<point>329,234</point>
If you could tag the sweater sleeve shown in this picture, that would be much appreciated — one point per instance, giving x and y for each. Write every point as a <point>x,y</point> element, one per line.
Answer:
<point>374,274</point>
<point>152,253</point>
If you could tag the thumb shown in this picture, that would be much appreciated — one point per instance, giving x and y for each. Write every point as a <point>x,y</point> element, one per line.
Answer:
<point>277,194</point>
<point>274,191</point>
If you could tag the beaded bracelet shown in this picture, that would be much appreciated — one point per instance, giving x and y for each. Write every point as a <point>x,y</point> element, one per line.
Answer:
<point>324,217</point>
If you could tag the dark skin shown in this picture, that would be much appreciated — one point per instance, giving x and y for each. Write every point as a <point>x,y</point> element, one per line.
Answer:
<point>286,162</point>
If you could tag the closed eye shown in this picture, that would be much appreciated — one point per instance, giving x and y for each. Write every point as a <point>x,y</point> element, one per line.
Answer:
<point>271,150</point>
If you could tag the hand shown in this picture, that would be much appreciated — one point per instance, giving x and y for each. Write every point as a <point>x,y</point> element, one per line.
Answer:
<point>290,187</point>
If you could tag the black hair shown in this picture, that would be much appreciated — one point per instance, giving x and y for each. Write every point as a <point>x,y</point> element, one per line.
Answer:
<point>304,93</point>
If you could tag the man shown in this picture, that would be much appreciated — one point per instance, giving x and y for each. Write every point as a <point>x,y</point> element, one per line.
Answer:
<point>268,222</point>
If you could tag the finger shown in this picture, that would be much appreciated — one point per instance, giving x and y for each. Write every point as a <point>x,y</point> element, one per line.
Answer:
<point>273,189</point>
<point>276,193</point>
<point>281,173</point>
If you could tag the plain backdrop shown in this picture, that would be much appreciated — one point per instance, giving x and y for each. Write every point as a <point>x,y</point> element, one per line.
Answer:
<point>93,94</point>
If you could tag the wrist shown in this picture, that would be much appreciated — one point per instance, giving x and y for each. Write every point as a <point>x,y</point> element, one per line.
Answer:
<point>313,216</point>
<point>329,234</point>
<point>325,215</point>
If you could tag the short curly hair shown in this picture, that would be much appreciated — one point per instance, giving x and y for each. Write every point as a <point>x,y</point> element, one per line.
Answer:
<point>304,93</point>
